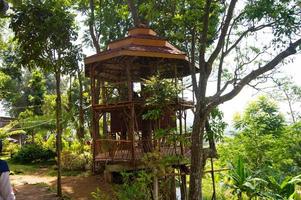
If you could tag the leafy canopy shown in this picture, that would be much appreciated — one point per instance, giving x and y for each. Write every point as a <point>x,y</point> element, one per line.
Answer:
<point>260,117</point>
<point>44,31</point>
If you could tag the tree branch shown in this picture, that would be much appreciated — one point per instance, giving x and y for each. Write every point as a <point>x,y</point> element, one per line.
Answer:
<point>250,30</point>
<point>204,34</point>
<point>192,62</point>
<point>254,74</point>
<point>92,27</point>
<point>224,31</point>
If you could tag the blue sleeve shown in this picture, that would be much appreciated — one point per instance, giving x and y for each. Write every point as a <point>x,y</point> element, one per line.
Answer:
<point>3,166</point>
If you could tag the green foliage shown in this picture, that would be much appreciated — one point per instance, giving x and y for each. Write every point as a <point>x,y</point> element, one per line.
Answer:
<point>49,46</point>
<point>241,181</point>
<point>136,186</point>
<point>99,195</point>
<point>177,20</point>
<point>267,148</point>
<point>282,188</point>
<point>283,13</point>
<point>261,117</point>
<point>217,126</point>
<point>260,128</point>
<point>75,155</point>
<point>33,153</point>
<point>37,87</point>
<point>4,83</point>
<point>10,147</point>
<point>160,92</point>
<point>111,18</point>
<point>73,161</point>
<point>21,89</point>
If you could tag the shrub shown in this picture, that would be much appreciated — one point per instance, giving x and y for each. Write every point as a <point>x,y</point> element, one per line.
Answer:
<point>33,153</point>
<point>135,186</point>
<point>10,147</point>
<point>99,195</point>
<point>73,161</point>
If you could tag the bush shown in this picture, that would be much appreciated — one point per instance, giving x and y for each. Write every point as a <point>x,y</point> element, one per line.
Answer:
<point>73,161</point>
<point>33,153</point>
<point>135,186</point>
<point>10,147</point>
<point>99,195</point>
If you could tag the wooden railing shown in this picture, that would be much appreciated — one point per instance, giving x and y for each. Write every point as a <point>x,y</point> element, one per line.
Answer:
<point>109,150</point>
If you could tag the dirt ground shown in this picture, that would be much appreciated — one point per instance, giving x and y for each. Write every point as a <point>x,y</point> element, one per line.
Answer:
<point>31,187</point>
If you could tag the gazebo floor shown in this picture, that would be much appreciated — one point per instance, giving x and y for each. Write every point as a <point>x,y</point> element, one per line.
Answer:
<point>127,156</point>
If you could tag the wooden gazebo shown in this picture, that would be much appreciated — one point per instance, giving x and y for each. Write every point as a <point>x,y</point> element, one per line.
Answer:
<point>115,75</point>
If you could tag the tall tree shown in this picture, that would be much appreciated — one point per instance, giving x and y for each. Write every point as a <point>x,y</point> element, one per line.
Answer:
<point>107,21</point>
<point>215,32</point>
<point>45,31</point>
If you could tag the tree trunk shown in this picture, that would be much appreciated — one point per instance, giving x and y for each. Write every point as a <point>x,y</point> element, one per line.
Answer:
<point>195,174</point>
<point>81,131</point>
<point>58,129</point>
<point>133,10</point>
<point>92,30</point>
<point>197,154</point>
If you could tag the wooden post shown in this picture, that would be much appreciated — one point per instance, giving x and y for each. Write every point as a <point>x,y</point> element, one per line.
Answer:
<point>155,186</point>
<point>104,116</point>
<point>213,180</point>
<point>173,192</point>
<point>132,111</point>
<point>92,79</point>
<point>177,102</point>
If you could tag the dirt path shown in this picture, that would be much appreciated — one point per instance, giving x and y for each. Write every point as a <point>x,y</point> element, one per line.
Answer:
<point>75,187</point>
<point>34,191</point>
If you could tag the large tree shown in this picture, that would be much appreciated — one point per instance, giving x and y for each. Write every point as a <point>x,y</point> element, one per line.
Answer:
<point>45,33</point>
<point>222,38</point>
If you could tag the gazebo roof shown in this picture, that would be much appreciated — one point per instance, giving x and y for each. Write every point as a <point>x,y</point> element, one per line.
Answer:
<point>144,52</point>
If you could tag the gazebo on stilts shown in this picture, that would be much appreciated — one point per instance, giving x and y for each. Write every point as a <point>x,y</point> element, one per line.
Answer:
<point>115,75</point>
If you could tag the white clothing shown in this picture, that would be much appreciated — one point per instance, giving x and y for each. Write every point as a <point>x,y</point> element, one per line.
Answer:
<point>6,190</point>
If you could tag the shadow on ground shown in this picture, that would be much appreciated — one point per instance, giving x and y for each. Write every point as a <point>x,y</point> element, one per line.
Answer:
<point>76,187</point>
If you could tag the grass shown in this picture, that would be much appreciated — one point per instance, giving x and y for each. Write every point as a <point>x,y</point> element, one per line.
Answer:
<point>42,168</point>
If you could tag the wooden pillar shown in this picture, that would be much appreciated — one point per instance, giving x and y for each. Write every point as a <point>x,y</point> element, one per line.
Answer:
<point>93,134</point>
<point>173,192</point>
<point>104,115</point>
<point>177,102</point>
<point>132,111</point>
<point>213,180</point>
<point>155,186</point>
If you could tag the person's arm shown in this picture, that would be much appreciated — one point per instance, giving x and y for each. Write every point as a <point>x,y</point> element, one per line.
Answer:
<point>7,192</point>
